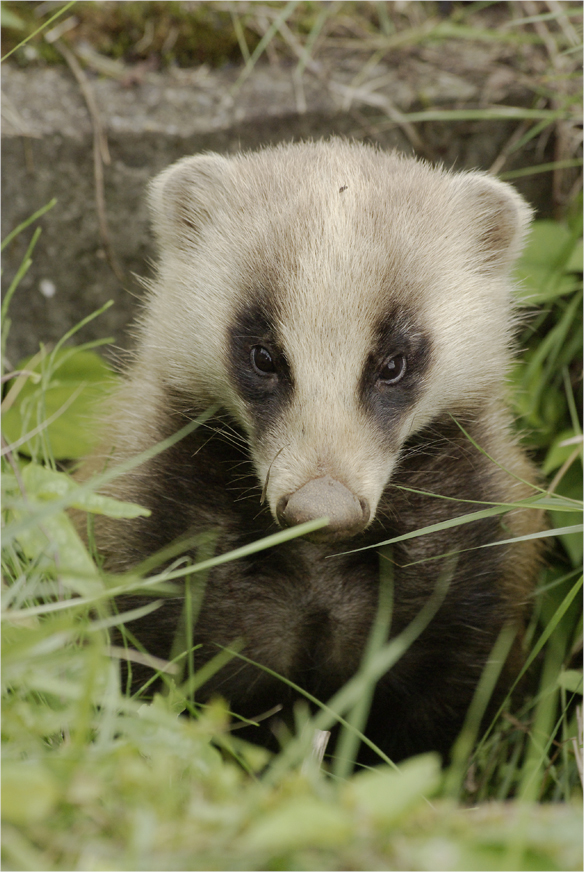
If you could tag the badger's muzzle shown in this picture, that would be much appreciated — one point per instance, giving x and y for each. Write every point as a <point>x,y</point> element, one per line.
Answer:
<point>325,497</point>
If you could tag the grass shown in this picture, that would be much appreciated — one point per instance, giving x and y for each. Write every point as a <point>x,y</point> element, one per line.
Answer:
<point>95,779</point>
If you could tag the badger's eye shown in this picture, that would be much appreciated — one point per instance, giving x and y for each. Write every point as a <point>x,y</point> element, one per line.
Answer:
<point>261,360</point>
<point>393,370</point>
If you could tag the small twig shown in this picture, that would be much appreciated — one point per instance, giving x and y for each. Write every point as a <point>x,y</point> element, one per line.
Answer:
<point>36,430</point>
<point>100,154</point>
<point>88,96</point>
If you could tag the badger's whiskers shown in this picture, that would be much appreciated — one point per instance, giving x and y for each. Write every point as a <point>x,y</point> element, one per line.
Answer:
<point>265,487</point>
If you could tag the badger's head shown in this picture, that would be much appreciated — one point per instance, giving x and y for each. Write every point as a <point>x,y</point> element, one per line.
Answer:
<point>334,300</point>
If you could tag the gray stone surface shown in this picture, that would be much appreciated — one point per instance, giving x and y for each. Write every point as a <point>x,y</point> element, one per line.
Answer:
<point>153,119</point>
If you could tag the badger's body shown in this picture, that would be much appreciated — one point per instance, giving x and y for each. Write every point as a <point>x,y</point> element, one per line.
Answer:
<point>345,310</point>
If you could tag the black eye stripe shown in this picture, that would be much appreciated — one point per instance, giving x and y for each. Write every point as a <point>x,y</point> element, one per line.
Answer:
<point>394,373</point>
<point>258,368</point>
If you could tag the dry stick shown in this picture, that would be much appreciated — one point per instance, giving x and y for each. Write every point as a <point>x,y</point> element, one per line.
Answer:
<point>100,155</point>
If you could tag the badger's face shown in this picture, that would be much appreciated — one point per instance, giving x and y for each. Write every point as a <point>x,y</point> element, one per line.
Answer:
<point>327,387</point>
<point>334,300</point>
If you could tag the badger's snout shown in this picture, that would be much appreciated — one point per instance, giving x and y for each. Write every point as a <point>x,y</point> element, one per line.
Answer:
<point>325,497</point>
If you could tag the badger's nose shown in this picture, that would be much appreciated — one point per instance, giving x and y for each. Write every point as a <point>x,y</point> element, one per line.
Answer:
<point>325,497</point>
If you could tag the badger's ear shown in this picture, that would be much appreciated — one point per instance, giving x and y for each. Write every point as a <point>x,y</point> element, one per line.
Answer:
<point>181,197</point>
<point>496,218</point>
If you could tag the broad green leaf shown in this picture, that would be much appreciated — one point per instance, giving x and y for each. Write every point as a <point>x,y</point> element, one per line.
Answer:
<point>57,548</point>
<point>55,544</point>
<point>47,484</point>
<point>571,680</point>
<point>545,270</point>
<point>385,794</point>
<point>72,434</point>
<point>302,822</point>
<point>10,19</point>
<point>574,264</point>
<point>29,792</point>
<point>558,453</point>
<point>546,242</point>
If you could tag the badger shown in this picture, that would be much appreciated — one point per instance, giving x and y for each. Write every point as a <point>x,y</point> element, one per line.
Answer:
<point>347,315</point>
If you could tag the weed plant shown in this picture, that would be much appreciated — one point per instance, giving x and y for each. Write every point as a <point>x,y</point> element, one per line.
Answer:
<point>93,778</point>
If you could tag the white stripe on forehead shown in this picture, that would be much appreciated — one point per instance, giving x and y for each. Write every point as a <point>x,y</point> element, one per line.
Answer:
<point>330,267</point>
<point>377,227</point>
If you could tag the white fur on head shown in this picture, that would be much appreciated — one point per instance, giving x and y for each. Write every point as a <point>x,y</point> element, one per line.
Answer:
<point>337,236</point>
